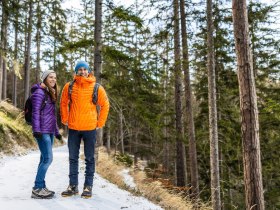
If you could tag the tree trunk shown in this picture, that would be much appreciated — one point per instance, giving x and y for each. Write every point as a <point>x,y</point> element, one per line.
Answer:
<point>15,63</point>
<point>213,127</point>
<point>166,154</point>
<point>108,138</point>
<point>4,82</point>
<point>121,130</point>
<point>2,47</point>
<point>189,110</point>
<point>4,53</point>
<point>38,43</point>
<point>180,147</point>
<point>135,148</point>
<point>248,108</point>
<point>97,39</point>
<point>27,54</point>
<point>97,50</point>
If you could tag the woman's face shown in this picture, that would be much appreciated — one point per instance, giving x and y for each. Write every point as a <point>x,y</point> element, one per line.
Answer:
<point>51,79</point>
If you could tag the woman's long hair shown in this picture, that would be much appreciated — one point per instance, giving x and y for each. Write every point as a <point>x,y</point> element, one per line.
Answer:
<point>52,91</point>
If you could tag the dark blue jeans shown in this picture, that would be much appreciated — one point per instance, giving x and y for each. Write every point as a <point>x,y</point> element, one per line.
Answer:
<point>45,145</point>
<point>74,141</point>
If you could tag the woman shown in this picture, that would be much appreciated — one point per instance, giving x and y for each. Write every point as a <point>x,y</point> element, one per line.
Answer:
<point>44,127</point>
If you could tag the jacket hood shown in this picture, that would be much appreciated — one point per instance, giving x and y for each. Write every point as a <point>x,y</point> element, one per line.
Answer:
<point>83,80</point>
<point>35,87</point>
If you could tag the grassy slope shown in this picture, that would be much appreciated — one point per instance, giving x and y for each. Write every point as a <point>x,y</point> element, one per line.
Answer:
<point>15,135</point>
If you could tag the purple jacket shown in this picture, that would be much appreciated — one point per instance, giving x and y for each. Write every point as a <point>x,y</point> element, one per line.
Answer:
<point>43,121</point>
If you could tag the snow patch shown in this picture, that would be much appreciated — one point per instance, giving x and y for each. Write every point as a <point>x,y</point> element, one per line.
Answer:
<point>128,180</point>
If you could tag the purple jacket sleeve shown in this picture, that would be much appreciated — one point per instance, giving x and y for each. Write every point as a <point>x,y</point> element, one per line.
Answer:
<point>56,129</point>
<point>37,99</point>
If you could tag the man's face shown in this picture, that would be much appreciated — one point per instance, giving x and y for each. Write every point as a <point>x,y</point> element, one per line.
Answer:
<point>83,72</point>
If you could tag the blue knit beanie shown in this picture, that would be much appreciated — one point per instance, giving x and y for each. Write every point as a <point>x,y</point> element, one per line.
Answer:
<point>81,64</point>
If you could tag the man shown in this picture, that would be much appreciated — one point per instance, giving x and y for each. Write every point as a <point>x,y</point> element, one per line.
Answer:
<point>79,112</point>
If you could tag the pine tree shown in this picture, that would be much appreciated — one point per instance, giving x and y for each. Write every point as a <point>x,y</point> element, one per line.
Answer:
<point>213,126</point>
<point>248,107</point>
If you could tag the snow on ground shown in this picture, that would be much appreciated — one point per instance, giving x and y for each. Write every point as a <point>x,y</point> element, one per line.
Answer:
<point>128,180</point>
<point>17,176</point>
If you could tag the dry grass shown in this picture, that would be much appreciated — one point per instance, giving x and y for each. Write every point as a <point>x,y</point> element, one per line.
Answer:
<point>152,190</point>
<point>107,168</point>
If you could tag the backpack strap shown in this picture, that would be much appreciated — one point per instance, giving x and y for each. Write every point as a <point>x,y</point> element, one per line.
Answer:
<point>70,89</point>
<point>95,93</point>
<point>45,101</point>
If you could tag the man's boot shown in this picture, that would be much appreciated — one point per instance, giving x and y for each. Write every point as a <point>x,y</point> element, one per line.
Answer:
<point>71,190</point>
<point>87,192</point>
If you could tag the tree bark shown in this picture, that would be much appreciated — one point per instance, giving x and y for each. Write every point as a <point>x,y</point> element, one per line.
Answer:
<point>108,138</point>
<point>166,156</point>
<point>14,95</point>
<point>38,43</point>
<point>189,109</point>
<point>213,127</point>
<point>180,147</point>
<point>5,45</point>
<point>121,130</point>
<point>27,54</point>
<point>248,108</point>
<point>98,39</point>
<point>97,51</point>
<point>2,46</point>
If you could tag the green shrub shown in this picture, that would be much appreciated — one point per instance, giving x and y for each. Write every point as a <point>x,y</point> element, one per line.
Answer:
<point>124,159</point>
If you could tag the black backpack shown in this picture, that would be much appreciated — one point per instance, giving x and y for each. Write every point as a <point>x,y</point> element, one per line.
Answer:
<point>94,93</point>
<point>28,108</point>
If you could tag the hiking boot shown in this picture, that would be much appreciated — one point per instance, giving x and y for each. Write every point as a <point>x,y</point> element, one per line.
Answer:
<point>41,193</point>
<point>49,190</point>
<point>71,190</point>
<point>87,192</point>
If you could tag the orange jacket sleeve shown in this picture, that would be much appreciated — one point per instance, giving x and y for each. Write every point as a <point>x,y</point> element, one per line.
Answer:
<point>103,102</point>
<point>64,105</point>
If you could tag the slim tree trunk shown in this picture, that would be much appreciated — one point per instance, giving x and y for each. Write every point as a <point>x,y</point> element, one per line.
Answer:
<point>38,43</point>
<point>108,138</point>
<point>189,110</point>
<point>248,108</point>
<point>213,127</point>
<point>5,44</point>
<point>2,46</point>
<point>166,156</point>
<point>97,39</point>
<point>121,130</point>
<point>97,51</point>
<point>180,147</point>
<point>4,82</point>
<point>135,148</point>
<point>27,55</point>
<point>15,63</point>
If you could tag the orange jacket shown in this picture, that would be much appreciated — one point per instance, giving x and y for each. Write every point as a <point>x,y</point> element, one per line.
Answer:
<point>82,114</point>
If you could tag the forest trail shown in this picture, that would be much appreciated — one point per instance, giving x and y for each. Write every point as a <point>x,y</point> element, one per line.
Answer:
<point>17,176</point>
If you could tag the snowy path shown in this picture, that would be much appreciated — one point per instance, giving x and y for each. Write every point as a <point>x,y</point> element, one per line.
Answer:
<point>17,178</point>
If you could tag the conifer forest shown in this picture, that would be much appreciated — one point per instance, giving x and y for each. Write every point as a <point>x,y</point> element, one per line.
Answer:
<point>194,85</point>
